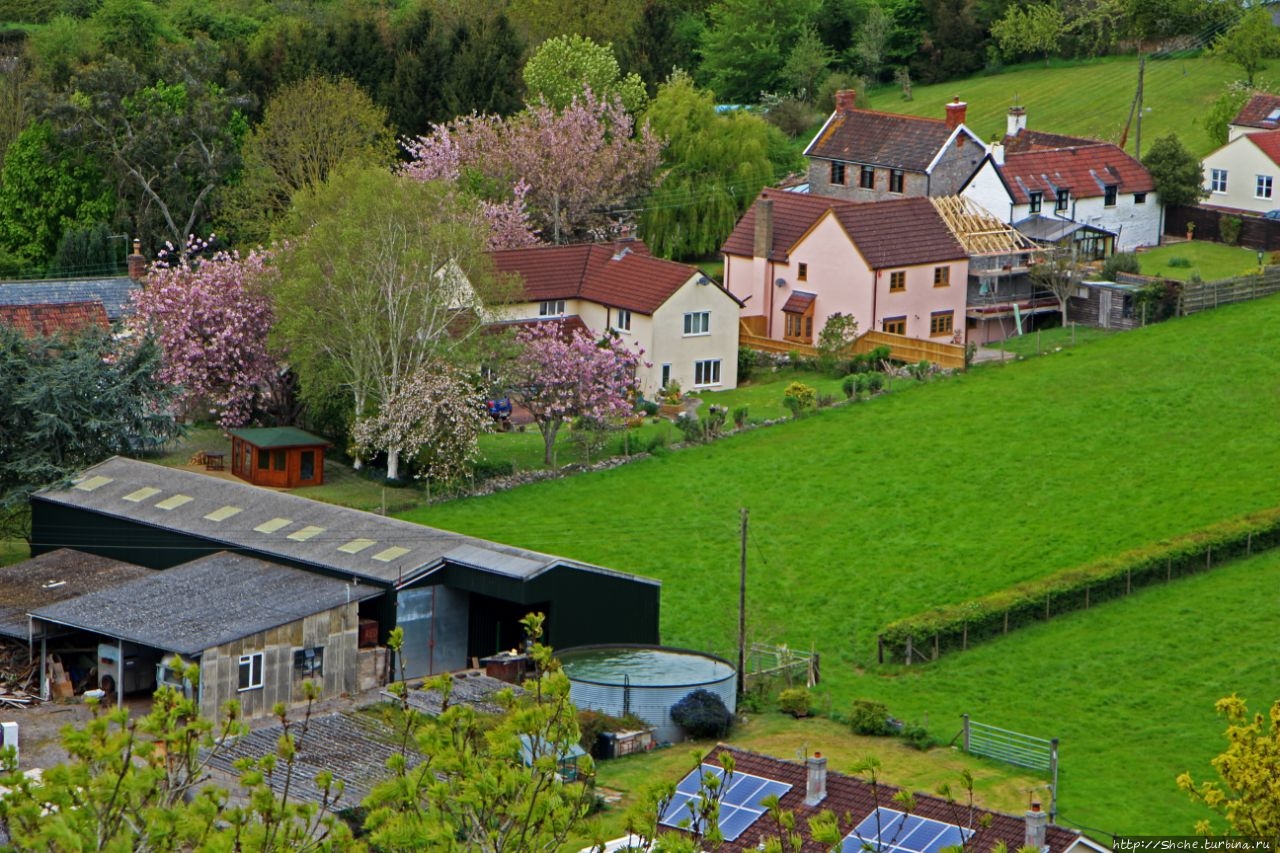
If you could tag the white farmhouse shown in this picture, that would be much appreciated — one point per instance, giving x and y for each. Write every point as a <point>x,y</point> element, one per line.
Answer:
<point>1244,174</point>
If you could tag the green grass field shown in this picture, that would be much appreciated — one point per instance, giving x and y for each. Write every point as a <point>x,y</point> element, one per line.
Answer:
<point>1089,99</point>
<point>1211,261</point>
<point>866,513</point>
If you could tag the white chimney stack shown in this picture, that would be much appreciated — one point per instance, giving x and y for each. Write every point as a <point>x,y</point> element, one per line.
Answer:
<point>997,153</point>
<point>816,786</point>
<point>1017,121</point>
<point>1037,824</point>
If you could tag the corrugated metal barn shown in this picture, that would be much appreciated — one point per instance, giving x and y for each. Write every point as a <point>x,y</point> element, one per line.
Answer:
<point>456,597</point>
<point>256,629</point>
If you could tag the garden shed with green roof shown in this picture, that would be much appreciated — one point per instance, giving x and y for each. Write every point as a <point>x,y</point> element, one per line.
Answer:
<point>284,457</point>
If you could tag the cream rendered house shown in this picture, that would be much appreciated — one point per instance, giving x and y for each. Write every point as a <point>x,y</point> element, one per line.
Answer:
<point>1244,174</point>
<point>686,324</point>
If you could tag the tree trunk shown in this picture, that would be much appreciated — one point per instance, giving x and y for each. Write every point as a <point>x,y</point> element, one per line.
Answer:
<point>393,464</point>
<point>549,431</point>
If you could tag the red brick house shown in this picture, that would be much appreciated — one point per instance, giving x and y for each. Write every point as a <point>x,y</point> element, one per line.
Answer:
<point>59,318</point>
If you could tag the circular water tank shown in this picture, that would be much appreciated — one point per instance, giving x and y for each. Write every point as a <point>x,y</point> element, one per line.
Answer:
<point>645,681</point>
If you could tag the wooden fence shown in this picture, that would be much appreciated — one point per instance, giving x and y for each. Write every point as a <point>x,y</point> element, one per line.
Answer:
<point>1256,232</point>
<point>1202,296</point>
<point>901,348</point>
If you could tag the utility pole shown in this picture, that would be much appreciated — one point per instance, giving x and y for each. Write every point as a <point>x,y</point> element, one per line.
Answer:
<point>742,606</point>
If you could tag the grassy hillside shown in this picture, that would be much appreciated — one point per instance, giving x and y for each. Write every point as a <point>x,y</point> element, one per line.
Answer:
<point>934,494</point>
<point>1086,99</point>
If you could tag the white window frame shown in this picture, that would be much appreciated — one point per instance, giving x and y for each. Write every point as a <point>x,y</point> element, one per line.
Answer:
<point>551,308</point>
<point>1218,180</point>
<point>622,319</point>
<point>697,323</point>
<point>1262,186</point>
<point>708,370</point>
<point>254,661</point>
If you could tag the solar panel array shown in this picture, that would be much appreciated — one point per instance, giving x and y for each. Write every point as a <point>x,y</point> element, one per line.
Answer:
<point>891,831</point>
<point>739,806</point>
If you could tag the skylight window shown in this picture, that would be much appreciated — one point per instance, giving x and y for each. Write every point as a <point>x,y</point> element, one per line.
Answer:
<point>891,831</point>
<point>308,532</point>
<point>273,525</point>
<point>389,554</point>
<point>140,495</point>
<point>223,513</point>
<point>174,502</point>
<point>355,546</point>
<point>1274,115</point>
<point>740,805</point>
<point>92,483</point>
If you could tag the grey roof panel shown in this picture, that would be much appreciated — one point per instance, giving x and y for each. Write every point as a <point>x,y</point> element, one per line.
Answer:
<point>53,577</point>
<point>382,550</point>
<point>204,603</point>
<point>113,293</point>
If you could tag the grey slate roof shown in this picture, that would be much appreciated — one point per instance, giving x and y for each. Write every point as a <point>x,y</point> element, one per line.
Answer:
<point>473,689</point>
<point>352,746</point>
<point>54,577</point>
<point>382,550</point>
<point>204,603</point>
<point>113,293</point>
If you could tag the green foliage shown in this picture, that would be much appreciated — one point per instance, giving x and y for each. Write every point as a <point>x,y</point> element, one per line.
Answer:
<point>60,49</point>
<point>917,736</point>
<point>86,251</point>
<point>1246,794</point>
<point>747,358</point>
<point>1180,262</point>
<point>850,386</point>
<point>47,190</point>
<point>740,415</point>
<point>834,339</point>
<point>794,701</point>
<point>799,398</point>
<point>1119,262</point>
<point>1250,42</point>
<point>869,717</point>
<point>747,44</point>
<point>718,160</point>
<point>1033,29</point>
<point>1177,174</point>
<point>961,625</point>
<point>592,724</point>
<point>790,114</point>
<point>131,30</point>
<point>561,68</point>
<point>807,65</point>
<point>1229,229</point>
<point>1217,118</point>
<point>702,714</point>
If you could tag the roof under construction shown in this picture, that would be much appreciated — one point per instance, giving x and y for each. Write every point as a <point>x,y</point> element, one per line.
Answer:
<point>979,231</point>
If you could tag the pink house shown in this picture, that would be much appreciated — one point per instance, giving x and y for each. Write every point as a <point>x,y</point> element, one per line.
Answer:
<point>795,259</point>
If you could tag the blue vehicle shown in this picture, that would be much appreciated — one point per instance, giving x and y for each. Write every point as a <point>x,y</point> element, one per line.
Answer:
<point>500,410</point>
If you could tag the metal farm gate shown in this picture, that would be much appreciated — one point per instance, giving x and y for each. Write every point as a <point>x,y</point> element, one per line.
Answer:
<point>1015,748</point>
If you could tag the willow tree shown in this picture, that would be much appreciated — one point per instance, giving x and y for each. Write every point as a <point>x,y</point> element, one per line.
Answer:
<point>381,277</point>
<point>715,165</point>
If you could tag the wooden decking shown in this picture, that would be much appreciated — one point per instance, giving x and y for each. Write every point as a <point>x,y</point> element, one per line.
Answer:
<point>901,348</point>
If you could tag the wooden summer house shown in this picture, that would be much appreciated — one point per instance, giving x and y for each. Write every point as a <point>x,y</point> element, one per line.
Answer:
<point>284,457</point>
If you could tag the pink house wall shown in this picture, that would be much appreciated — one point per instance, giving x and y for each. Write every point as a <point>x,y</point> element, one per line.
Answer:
<point>843,282</point>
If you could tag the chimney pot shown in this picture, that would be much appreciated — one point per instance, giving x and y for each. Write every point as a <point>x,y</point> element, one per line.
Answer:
<point>816,783</point>
<point>1037,823</point>
<point>955,113</point>
<point>846,100</point>
<point>137,262</point>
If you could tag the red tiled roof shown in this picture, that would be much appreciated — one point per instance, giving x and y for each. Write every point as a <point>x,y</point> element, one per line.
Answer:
<point>1084,170</point>
<point>47,319</point>
<point>1268,143</point>
<point>1037,140</point>
<point>880,139</point>
<point>621,275</point>
<point>798,302</point>
<point>852,800</point>
<point>1255,111</point>
<point>894,233</point>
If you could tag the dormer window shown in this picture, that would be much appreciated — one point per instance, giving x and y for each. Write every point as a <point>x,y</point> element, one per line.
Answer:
<point>1109,195</point>
<point>1064,199</point>
<point>1034,201</point>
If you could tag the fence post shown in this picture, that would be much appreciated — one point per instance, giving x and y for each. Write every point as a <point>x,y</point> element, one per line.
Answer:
<point>965,717</point>
<point>880,647</point>
<point>1053,789</point>
<point>908,650</point>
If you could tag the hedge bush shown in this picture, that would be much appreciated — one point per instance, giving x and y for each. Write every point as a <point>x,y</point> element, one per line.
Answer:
<point>702,714</point>
<point>957,626</point>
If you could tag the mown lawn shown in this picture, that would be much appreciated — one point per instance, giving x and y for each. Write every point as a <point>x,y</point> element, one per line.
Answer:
<point>1087,98</point>
<point>866,513</point>
<point>1210,261</point>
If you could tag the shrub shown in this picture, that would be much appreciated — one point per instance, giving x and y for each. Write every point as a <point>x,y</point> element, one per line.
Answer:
<point>1180,263</point>
<point>713,425</point>
<point>794,701</point>
<point>875,382</point>
<point>921,370</point>
<point>747,361</point>
<point>1229,229</point>
<point>740,416</point>
<point>702,714</point>
<point>647,407</point>
<point>671,393</point>
<point>917,736</point>
<point>869,717</point>
<point>790,115</point>
<point>487,469</point>
<point>850,386</point>
<point>691,427</point>
<point>799,398</point>
<point>1126,262</point>
<point>592,724</point>
<point>826,401</point>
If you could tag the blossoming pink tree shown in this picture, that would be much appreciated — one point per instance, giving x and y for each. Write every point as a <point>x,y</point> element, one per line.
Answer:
<point>211,317</point>
<point>577,163</point>
<point>561,376</point>
<point>435,418</point>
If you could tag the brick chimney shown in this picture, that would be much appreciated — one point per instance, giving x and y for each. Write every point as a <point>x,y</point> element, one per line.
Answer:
<point>846,100</point>
<point>1037,823</point>
<point>764,228</point>
<point>816,785</point>
<point>1017,121</point>
<point>137,262</point>
<point>955,113</point>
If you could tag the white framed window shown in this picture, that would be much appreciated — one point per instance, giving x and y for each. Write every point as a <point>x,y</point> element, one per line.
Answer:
<point>1218,180</point>
<point>551,308</point>
<point>622,320</point>
<point>697,323</point>
<point>251,671</point>
<point>1262,187</point>
<point>706,372</point>
<point>1063,201</point>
